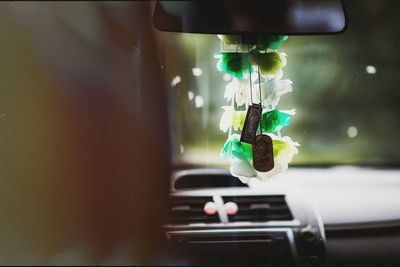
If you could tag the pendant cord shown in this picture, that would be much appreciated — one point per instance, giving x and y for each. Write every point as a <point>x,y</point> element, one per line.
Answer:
<point>251,86</point>
<point>259,87</point>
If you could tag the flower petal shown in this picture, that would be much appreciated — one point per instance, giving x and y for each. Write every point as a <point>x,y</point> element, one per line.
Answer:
<point>234,63</point>
<point>269,63</point>
<point>274,120</point>
<point>231,89</point>
<point>226,119</point>
<point>242,168</point>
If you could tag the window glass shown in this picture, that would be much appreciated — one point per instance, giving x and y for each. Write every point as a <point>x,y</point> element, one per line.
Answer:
<point>345,91</point>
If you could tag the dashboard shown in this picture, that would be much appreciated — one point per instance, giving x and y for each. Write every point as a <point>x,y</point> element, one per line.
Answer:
<point>341,216</point>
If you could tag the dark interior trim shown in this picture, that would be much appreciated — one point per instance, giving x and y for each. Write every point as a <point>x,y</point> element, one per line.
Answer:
<point>363,229</point>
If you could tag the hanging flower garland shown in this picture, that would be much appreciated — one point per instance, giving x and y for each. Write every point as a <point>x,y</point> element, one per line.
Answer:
<point>254,93</point>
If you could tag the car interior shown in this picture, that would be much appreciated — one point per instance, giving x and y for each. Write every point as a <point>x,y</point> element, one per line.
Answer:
<point>129,133</point>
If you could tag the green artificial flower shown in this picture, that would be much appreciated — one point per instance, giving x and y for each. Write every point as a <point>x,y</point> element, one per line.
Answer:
<point>280,148</point>
<point>235,63</point>
<point>269,63</point>
<point>234,148</point>
<point>231,118</point>
<point>270,42</point>
<point>274,120</point>
<point>284,147</point>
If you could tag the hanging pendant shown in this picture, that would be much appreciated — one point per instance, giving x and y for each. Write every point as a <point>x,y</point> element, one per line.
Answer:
<point>249,130</point>
<point>263,153</point>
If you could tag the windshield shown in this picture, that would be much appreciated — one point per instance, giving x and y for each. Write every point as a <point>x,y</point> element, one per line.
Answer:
<point>345,92</point>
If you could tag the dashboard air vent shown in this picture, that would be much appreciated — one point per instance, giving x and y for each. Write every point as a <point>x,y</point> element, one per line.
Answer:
<point>186,210</point>
<point>259,208</point>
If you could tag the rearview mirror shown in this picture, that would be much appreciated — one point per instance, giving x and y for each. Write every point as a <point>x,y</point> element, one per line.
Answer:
<point>279,17</point>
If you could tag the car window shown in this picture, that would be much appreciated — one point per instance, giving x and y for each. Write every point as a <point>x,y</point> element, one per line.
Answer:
<point>345,92</point>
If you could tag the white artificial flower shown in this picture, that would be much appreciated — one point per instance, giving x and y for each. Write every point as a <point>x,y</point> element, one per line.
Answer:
<point>273,89</point>
<point>278,75</point>
<point>280,165</point>
<point>244,180</point>
<point>239,89</point>
<point>281,162</point>
<point>226,118</point>
<point>231,88</point>
<point>244,170</point>
<point>283,56</point>
<point>236,89</point>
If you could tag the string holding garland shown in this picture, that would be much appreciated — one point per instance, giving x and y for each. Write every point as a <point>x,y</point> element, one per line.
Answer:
<point>256,84</point>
